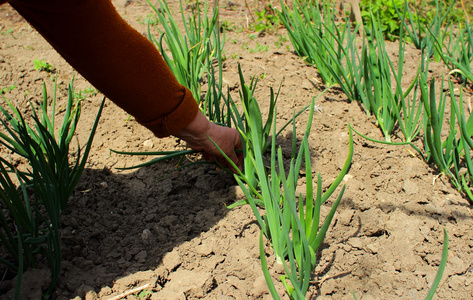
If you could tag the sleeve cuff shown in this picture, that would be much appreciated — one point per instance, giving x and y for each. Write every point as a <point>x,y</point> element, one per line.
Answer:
<point>175,120</point>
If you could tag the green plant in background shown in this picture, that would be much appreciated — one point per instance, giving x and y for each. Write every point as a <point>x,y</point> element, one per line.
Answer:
<point>30,225</point>
<point>151,19</point>
<point>316,37</point>
<point>436,29</point>
<point>267,20</point>
<point>367,77</point>
<point>363,76</point>
<point>389,20</point>
<point>329,45</point>
<point>8,31</point>
<point>281,41</point>
<point>459,54</point>
<point>456,14</point>
<point>449,153</point>
<point>463,57</point>
<point>258,48</point>
<point>229,26</point>
<point>195,55</point>
<point>390,108</point>
<point>42,65</point>
<point>420,24</point>
<point>412,24</point>
<point>144,294</point>
<point>409,115</point>
<point>192,52</point>
<point>82,94</point>
<point>377,80</point>
<point>213,104</point>
<point>423,32</point>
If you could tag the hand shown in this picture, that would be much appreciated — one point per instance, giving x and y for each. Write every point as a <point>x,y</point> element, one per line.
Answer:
<point>197,135</point>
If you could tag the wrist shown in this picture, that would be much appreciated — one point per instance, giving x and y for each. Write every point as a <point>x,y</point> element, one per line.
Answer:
<point>196,131</point>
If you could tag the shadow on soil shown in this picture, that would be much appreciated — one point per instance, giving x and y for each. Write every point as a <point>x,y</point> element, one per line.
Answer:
<point>120,224</point>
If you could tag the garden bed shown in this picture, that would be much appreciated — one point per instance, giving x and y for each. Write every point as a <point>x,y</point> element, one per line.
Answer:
<point>170,228</point>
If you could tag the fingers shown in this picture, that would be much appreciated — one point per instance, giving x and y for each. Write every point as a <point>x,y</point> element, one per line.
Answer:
<point>229,142</point>
<point>239,148</point>
<point>233,156</point>
<point>223,161</point>
<point>237,157</point>
<point>197,136</point>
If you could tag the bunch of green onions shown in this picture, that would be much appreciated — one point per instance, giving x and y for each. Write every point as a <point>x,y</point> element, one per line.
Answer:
<point>293,229</point>
<point>452,153</point>
<point>458,55</point>
<point>31,225</point>
<point>192,53</point>
<point>422,35</point>
<point>319,39</point>
<point>363,76</point>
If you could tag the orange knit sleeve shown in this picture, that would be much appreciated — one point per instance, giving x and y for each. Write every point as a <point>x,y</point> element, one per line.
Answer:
<point>115,58</point>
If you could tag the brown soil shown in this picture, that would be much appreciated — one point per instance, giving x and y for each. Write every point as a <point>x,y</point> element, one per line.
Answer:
<point>170,228</point>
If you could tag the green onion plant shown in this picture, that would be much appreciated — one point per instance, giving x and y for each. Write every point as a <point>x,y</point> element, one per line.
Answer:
<point>368,75</point>
<point>364,76</point>
<point>214,104</point>
<point>453,152</point>
<point>321,41</point>
<point>448,150</point>
<point>30,224</point>
<point>345,64</point>
<point>377,80</point>
<point>17,219</point>
<point>192,52</point>
<point>465,144</point>
<point>385,99</point>
<point>290,222</point>
<point>464,56</point>
<point>445,155</point>
<point>303,24</point>
<point>249,122</point>
<point>422,35</point>
<point>459,54</point>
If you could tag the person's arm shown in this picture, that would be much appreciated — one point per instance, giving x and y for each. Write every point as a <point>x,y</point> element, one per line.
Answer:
<point>121,63</point>
<point>115,58</point>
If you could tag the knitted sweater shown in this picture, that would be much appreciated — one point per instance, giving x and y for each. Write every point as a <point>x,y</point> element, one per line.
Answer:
<point>115,58</point>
